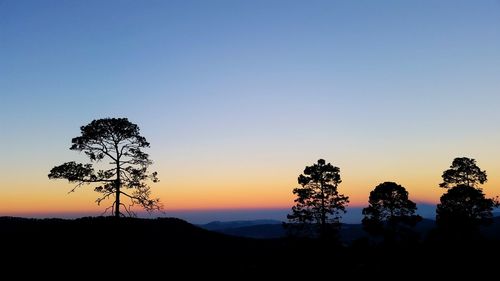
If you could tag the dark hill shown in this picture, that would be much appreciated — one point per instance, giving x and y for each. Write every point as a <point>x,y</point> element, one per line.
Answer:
<point>269,229</point>
<point>259,231</point>
<point>42,233</point>
<point>220,225</point>
<point>104,240</point>
<point>168,247</point>
<point>174,249</point>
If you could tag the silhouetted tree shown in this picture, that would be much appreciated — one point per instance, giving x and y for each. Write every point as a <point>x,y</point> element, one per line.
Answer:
<point>463,171</point>
<point>318,202</point>
<point>390,213</point>
<point>119,141</point>
<point>464,207</point>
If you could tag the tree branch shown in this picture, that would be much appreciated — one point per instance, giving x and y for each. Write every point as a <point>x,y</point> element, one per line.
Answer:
<point>105,196</point>
<point>128,210</point>
<point>105,151</point>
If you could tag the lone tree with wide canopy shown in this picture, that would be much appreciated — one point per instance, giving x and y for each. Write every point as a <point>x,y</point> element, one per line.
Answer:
<point>118,141</point>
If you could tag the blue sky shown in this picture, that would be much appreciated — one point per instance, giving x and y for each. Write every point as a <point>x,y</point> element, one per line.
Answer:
<point>387,90</point>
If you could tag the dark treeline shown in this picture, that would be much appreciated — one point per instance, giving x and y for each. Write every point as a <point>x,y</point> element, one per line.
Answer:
<point>390,215</point>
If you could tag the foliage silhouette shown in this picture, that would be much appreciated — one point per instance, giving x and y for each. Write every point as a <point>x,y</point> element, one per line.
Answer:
<point>319,206</point>
<point>463,171</point>
<point>390,213</point>
<point>464,207</point>
<point>119,141</point>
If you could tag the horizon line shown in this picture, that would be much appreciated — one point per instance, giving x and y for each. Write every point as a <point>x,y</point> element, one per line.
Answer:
<point>166,211</point>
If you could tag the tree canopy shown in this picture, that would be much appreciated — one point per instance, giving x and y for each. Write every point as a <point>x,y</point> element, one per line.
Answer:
<point>118,141</point>
<point>318,200</point>
<point>463,171</point>
<point>464,207</point>
<point>388,210</point>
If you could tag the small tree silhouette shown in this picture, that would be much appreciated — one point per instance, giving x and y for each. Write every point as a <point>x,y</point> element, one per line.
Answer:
<point>319,205</point>
<point>118,140</point>
<point>464,207</point>
<point>390,213</point>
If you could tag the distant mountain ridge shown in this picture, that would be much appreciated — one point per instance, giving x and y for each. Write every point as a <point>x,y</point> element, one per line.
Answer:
<point>220,225</point>
<point>272,229</point>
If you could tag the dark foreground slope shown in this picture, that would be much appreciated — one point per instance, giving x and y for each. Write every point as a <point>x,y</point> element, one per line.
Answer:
<point>98,244</point>
<point>163,238</point>
<point>98,247</point>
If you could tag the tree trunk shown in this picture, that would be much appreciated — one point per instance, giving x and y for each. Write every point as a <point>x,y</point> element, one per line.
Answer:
<point>117,200</point>
<point>118,185</point>
<point>323,213</point>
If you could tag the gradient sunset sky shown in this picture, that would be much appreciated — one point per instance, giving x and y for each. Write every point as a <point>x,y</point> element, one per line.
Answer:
<point>237,97</point>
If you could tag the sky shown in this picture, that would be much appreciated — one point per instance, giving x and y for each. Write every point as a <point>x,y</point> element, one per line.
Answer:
<point>237,97</point>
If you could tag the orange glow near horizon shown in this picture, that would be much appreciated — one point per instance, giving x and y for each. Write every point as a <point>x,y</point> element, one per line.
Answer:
<point>52,197</point>
<point>246,181</point>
